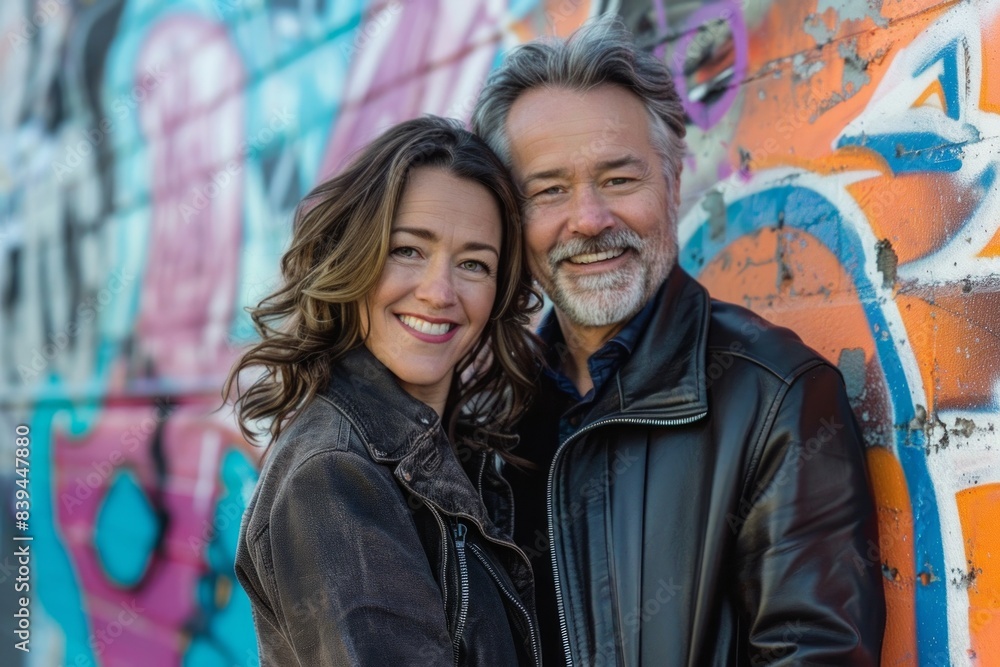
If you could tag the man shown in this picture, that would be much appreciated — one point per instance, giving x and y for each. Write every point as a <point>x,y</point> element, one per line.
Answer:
<point>700,495</point>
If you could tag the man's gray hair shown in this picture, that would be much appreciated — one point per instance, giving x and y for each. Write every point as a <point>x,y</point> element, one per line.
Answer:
<point>601,52</point>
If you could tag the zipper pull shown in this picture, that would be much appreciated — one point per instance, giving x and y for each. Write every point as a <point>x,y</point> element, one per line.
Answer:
<point>460,531</point>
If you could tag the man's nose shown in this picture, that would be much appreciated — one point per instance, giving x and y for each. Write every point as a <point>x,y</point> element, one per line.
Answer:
<point>437,286</point>
<point>590,214</point>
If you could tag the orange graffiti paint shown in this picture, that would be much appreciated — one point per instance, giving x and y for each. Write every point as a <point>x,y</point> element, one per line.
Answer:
<point>795,98</point>
<point>949,330</point>
<point>553,17</point>
<point>932,96</point>
<point>918,213</point>
<point>789,286</point>
<point>989,93</point>
<point>979,514</point>
<point>895,527</point>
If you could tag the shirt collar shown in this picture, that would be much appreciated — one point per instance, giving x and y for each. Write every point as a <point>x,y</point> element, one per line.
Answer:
<point>619,348</point>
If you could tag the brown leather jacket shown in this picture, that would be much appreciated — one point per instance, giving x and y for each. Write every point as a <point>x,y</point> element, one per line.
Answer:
<point>713,507</point>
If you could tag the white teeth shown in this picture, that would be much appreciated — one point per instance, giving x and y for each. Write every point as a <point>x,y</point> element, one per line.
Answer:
<point>423,326</point>
<point>596,256</point>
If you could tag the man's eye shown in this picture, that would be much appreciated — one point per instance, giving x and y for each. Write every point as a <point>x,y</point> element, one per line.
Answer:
<point>618,180</point>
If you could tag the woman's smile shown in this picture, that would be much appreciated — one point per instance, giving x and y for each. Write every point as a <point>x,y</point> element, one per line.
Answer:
<point>428,329</point>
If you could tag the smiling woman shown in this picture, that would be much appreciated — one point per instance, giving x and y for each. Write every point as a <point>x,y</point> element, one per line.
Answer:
<point>393,365</point>
<point>439,283</point>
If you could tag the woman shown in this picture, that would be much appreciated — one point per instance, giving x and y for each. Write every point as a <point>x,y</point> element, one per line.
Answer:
<point>395,352</point>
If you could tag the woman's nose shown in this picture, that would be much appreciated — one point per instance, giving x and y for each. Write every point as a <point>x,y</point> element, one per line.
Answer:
<point>437,288</point>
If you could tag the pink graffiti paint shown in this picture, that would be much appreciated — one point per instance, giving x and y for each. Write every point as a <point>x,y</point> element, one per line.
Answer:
<point>410,59</point>
<point>193,122</point>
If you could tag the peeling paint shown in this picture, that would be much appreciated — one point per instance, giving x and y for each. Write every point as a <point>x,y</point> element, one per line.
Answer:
<point>884,164</point>
<point>854,10</point>
<point>716,209</point>
<point>887,262</point>
<point>966,580</point>
<point>852,366</point>
<point>964,427</point>
<point>855,69</point>
<point>815,26</point>
<point>843,124</point>
<point>803,69</point>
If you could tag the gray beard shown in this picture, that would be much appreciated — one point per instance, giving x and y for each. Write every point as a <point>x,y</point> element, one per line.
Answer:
<point>609,298</point>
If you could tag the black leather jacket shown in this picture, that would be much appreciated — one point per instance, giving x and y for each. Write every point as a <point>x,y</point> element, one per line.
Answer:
<point>366,543</point>
<point>713,508</point>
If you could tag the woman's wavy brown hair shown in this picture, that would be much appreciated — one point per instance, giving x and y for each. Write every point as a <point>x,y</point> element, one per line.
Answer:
<point>339,246</point>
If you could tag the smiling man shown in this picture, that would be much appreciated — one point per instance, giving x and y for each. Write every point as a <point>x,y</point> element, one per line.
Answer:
<point>700,496</point>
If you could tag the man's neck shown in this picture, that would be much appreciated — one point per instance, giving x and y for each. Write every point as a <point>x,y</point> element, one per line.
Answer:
<point>581,342</point>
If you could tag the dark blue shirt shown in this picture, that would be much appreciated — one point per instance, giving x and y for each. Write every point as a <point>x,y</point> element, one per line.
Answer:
<point>602,364</point>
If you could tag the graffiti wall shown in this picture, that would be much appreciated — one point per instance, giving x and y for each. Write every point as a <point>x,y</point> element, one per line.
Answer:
<point>841,179</point>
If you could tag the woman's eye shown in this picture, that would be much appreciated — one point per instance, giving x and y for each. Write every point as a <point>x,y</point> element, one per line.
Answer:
<point>475,265</point>
<point>405,252</point>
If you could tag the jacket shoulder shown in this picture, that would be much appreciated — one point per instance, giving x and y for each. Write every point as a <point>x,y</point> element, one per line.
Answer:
<point>737,331</point>
<point>319,428</point>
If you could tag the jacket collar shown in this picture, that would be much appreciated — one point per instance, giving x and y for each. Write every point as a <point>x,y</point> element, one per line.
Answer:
<point>664,377</point>
<point>391,422</point>
<point>405,434</point>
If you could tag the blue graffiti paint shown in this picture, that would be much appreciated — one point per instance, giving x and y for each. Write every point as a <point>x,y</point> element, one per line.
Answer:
<point>222,635</point>
<point>56,584</point>
<point>909,152</point>
<point>126,531</point>
<point>948,56</point>
<point>808,211</point>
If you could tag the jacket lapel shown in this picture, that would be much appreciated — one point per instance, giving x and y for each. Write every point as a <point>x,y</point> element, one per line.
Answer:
<point>664,378</point>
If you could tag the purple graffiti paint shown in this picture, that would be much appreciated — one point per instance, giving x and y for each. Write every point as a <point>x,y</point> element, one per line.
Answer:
<point>707,115</point>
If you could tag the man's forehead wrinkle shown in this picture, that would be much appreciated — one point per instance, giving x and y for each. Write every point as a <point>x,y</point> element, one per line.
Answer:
<point>546,149</point>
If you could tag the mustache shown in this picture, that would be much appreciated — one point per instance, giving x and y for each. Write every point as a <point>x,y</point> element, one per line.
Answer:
<point>607,240</point>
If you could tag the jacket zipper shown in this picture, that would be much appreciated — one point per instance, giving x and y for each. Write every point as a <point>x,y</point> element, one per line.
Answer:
<point>444,536</point>
<point>444,553</point>
<point>463,584</point>
<point>532,633</point>
<point>563,626</point>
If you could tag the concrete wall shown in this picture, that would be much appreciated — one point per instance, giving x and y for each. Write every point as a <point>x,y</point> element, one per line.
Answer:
<point>841,180</point>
